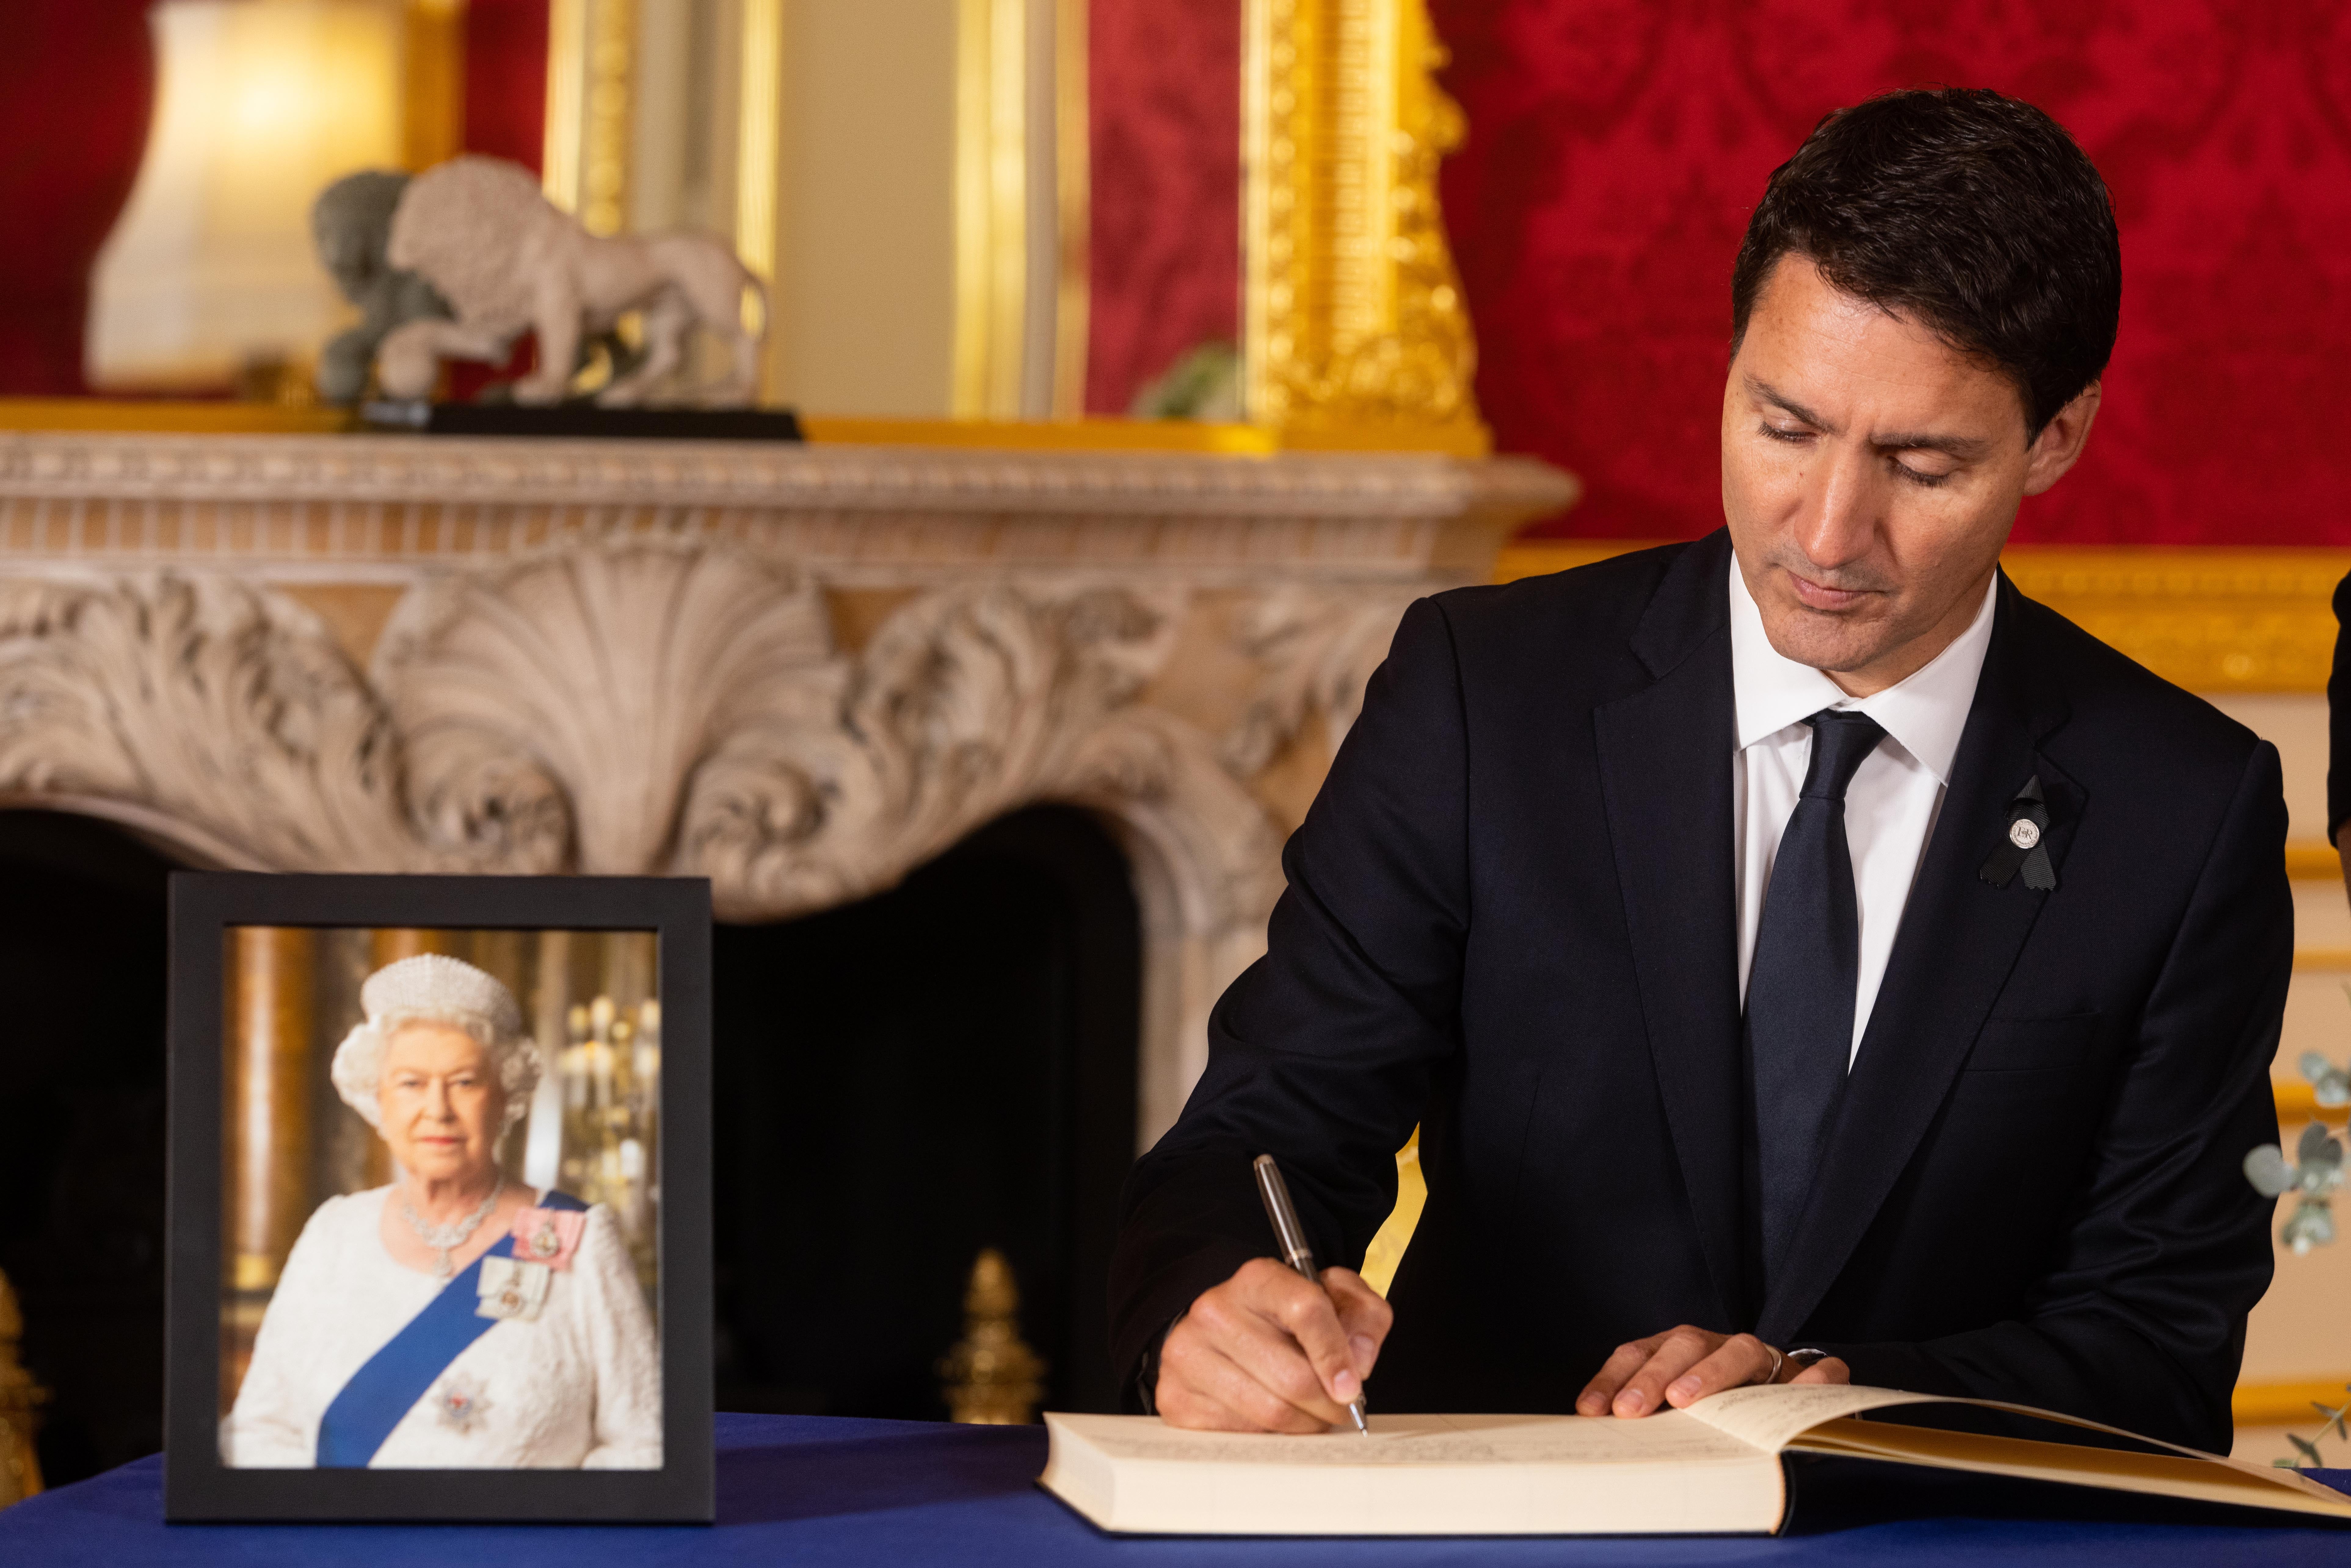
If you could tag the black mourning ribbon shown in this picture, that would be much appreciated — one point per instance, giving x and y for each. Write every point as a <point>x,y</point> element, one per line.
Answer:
<point>2024,843</point>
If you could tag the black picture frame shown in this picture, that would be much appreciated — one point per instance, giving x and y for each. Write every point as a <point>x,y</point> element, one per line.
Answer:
<point>197,1486</point>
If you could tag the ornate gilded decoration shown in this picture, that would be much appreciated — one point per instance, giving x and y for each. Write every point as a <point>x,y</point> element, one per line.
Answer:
<point>604,154</point>
<point>991,203</point>
<point>432,85</point>
<point>1072,207</point>
<point>990,1377</point>
<point>1354,331</point>
<point>565,121</point>
<point>2206,619</point>
<point>21,1399</point>
<point>2210,619</point>
<point>1023,175</point>
<point>591,68</point>
<point>759,137</point>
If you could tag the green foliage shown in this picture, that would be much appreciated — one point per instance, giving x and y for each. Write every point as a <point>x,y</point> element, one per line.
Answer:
<point>2331,1419</point>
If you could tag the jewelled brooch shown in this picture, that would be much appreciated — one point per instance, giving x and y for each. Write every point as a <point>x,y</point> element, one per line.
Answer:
<point>512,1289</point>
<point>548,1236</point>
<point>460,1405</point>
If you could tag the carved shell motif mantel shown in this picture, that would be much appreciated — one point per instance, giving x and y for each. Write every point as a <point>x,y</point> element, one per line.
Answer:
<point>624,660</point>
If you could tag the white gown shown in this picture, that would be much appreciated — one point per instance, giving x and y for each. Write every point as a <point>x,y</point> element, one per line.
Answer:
<point>578,1387</point>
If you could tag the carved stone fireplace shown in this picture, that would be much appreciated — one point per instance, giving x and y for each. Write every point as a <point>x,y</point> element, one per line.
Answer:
<point>799,672</point>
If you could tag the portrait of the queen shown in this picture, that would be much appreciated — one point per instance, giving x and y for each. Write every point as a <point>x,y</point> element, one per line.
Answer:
<point>455,1317</point>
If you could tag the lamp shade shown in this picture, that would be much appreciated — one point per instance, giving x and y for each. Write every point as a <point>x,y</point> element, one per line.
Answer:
<point>260,105</point>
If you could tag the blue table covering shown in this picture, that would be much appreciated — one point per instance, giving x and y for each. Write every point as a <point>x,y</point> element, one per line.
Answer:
<point>797,1488</point>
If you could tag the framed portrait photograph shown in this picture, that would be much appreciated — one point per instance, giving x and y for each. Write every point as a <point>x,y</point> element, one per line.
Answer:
<point>440,1199</point>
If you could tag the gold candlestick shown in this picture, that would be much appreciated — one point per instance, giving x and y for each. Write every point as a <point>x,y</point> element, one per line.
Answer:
<point>991,1377</point>
<point>21,1399</point>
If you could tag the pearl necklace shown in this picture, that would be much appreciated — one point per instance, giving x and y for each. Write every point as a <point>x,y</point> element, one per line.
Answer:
<point>446,1238</point>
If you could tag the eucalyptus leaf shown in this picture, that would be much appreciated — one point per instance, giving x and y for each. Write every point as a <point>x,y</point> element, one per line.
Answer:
<point>2266,1168</point>
<point>2311,1225</point>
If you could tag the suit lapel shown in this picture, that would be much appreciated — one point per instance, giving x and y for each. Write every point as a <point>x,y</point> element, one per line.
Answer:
<point>1959,938</point>
<point>1665,767</point>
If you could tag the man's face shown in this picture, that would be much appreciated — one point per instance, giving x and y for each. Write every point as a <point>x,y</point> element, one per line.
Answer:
<point>1870,473</point>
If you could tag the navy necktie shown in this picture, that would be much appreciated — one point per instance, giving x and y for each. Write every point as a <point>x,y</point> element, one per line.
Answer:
<point>1801,984</point>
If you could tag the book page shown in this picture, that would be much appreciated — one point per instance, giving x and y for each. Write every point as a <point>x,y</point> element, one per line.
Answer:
<point>2202,1477</point>
<point>1772,1416</point>
<point>1818,1418</point>
<point>1669,1437</point>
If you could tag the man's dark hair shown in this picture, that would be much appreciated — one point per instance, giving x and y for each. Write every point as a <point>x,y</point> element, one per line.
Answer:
<point>1974,214</point>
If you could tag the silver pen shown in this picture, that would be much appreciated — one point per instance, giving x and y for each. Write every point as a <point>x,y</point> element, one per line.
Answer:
<point>1294,1250</point>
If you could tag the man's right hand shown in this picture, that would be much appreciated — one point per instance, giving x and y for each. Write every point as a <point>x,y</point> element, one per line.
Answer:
<point>1271,1351</point>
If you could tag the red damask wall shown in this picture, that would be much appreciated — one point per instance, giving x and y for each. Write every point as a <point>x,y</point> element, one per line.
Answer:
<point>505,79</point>
<point>1616,149</point>
<point>1164,80</point>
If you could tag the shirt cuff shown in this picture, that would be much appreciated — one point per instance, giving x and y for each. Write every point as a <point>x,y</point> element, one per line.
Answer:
<point>1146,1374</point>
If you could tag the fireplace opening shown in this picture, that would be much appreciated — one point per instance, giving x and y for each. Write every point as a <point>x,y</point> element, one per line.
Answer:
<point>83,941</point>
<point>947,1066</point>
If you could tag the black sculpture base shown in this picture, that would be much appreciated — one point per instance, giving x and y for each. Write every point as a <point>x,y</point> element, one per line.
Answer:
<point>586,419</point>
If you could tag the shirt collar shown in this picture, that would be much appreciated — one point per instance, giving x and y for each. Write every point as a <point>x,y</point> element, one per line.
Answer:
<point>1923,713</point>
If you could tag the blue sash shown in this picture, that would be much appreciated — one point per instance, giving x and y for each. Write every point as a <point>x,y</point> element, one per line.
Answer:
<point>388,1387</point>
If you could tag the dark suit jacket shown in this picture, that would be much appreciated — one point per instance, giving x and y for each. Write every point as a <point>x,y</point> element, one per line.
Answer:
<point>2338,717</point>
<point>1509,920</point>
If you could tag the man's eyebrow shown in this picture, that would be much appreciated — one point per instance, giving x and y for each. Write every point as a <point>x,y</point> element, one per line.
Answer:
<point>1781,400</point>
<point>1960,448</point>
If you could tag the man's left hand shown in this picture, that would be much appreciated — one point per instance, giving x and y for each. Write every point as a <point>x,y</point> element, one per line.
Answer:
<point>1683,1365</point>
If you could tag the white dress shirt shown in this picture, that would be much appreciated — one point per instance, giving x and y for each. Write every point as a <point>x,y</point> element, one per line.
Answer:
<point>1891,805</point>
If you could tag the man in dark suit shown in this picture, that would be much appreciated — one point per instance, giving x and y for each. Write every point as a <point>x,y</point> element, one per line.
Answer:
<point>1805,959</point>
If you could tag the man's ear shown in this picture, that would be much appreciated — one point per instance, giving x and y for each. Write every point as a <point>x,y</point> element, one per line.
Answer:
<point>2059,445</point>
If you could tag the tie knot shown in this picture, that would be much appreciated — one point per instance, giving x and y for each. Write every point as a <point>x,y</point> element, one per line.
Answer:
<point>1841,739</point>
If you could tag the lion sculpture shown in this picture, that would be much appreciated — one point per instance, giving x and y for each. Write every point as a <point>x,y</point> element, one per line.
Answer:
<point>508,262</point>
<point>350,223</point>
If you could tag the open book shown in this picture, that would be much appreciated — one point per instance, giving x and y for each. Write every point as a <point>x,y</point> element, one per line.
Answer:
<point>1711,1468</point>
